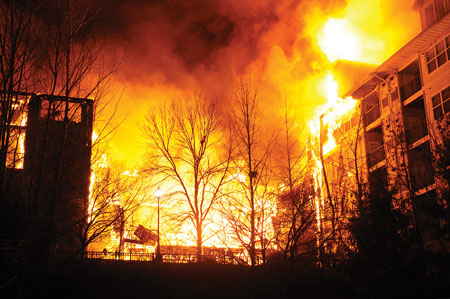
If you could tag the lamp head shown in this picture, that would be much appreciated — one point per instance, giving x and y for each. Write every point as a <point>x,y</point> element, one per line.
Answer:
<point>158,192</point>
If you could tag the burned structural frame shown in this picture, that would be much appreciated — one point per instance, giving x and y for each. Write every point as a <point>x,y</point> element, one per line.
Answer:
<point>49,192</point>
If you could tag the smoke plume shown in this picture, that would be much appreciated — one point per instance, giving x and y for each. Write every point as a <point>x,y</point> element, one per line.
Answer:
<point>169,47</point>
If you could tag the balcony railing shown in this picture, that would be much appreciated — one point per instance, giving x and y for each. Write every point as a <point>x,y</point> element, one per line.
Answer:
<point>413,135</point>
<point>411,88</point>
<point>372,115</point>
<point>376,156</point>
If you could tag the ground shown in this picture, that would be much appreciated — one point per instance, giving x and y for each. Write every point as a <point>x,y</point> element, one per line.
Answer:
<point>119,279</point>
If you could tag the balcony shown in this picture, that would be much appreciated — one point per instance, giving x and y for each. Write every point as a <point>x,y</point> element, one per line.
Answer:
<point>420,166</point>
<point>375,146</point>
<point>415,121</point>
<point>409,80</point>
<point>376,156</point>
<point>372,109</point>
<point>410,88</point>
<point>372,115</point>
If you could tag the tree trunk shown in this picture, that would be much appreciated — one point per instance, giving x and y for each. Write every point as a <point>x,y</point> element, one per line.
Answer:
<point>252,250</point>
<point>199,244</point>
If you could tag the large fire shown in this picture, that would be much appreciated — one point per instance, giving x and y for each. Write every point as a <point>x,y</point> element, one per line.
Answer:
<point>327,119</point>
<point>338,41</point>
<point>340,35</point>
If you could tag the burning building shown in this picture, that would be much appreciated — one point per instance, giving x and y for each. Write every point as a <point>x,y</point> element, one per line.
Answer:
<point>47,173</point>
<point>389,140</point>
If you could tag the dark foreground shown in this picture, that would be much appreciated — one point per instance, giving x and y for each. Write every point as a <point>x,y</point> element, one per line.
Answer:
<point>119,279</point>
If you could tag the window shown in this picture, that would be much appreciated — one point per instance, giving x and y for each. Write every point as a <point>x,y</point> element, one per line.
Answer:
<point>447,43</point>
<point>431,61</point>
<point>19,113</point>
<point>16,142</point>
<point>75,112</point>
<point>57,110</point>
<point>441,103</point>
<point>16,149</point>
<point>438,55</point>
<point>53,108</point>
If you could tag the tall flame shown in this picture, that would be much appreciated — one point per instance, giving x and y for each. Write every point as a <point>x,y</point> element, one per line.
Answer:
<point>329,116</point>
<point>326,120</point>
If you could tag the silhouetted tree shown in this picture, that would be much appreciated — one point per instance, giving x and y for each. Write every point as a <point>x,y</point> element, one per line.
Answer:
<point>441,148</point>
<point>19,38</point>
<point>296,216</point>
<point>252,196</point>
<point>185,152</point>
<point>46,48</point>
<point>115,196</point>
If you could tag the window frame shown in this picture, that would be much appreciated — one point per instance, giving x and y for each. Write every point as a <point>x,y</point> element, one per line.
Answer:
<point>438,55</point>
<point>439,102</point>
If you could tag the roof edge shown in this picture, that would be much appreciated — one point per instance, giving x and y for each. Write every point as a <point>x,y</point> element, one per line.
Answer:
<point>390,64</point>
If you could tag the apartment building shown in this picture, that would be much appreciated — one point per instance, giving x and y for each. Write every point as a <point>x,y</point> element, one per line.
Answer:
<point>391,140</point>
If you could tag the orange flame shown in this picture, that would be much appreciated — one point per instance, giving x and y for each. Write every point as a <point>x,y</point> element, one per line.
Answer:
<point>363,31</point>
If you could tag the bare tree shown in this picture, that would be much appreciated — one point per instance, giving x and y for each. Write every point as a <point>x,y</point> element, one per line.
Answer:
<point>18,42</point>
<point>19,38</point>
<point>70,66</point>
<point>115,196</point>
<point>251,170</point>
<point>440,207</point>
<point>185,152</point>
<point>46,51</point>
<point>295,213</point>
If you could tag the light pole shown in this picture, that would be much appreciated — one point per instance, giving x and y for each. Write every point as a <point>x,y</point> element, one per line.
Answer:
<point>158,194</point>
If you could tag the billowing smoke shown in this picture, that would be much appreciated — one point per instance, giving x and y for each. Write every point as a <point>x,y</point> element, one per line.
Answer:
<point>169,47</point>
<point>198,44</point>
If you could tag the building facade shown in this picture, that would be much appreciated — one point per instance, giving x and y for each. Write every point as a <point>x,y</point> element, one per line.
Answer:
<point>47,174</point>
<point>393,138</point>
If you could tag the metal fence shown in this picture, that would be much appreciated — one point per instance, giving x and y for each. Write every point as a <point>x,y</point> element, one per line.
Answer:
<point>151,257</point>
